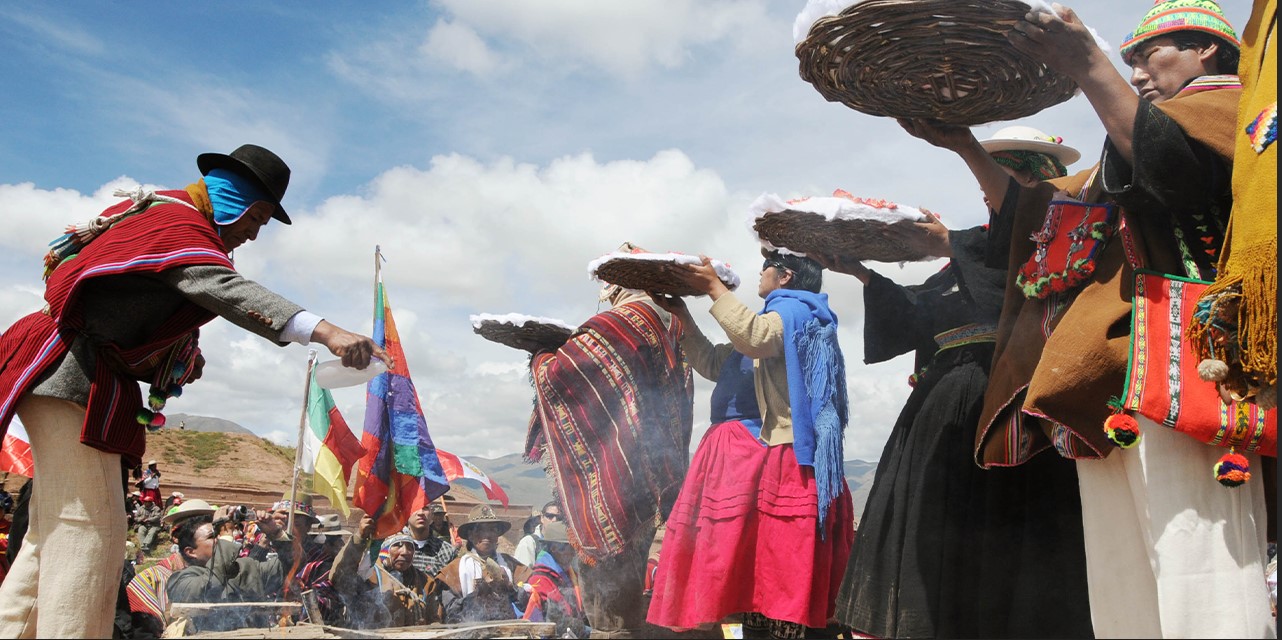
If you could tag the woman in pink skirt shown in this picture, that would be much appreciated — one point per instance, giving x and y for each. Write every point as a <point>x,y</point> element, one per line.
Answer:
<point>764,522</point>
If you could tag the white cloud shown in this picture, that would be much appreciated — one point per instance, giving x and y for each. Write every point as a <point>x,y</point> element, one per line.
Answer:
<point>458,46</point>
<point>623,36</point>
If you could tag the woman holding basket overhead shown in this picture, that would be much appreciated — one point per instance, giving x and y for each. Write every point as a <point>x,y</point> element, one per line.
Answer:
<point>763,524</point>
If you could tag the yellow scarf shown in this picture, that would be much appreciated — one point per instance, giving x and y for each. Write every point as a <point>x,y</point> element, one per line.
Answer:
<point>1246,285</point>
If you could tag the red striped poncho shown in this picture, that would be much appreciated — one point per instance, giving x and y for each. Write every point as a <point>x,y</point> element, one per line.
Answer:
<point>614,408</point>
<point>163,237</point>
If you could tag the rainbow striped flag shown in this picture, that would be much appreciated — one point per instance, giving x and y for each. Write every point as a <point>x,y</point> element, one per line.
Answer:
<point>400,472</point>
<point>330,449</point>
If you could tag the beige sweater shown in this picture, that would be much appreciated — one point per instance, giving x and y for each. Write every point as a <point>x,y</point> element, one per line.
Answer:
<point>759,337</point>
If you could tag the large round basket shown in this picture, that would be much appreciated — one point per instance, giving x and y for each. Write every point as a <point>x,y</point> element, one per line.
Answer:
<point>808,233</point>
<point>654,273</point>
<point>527,333</point>
<point>948,60</point>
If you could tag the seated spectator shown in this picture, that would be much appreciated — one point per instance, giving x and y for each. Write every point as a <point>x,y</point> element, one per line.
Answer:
<point>394,593</point>
<point>148,516</point>
<point>481,583</point>
<point>554,586</point>
<point>431,551</point>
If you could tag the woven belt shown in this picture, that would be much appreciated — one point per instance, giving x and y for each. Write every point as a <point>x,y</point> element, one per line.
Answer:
<point>966,334</point>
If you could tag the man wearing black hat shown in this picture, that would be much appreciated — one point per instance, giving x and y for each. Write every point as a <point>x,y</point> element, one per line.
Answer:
<point>125,296</point>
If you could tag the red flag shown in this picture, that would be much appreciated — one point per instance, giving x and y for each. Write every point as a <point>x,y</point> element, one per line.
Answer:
<point>456,467</point>
<point>15,456</point>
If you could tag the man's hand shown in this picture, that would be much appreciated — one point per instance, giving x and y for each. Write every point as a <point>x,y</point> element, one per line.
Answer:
<point>365,530</point>
<point>1062,42</point>
<point>929,237</point>
<point>674,305</point>
<point>354,349</point>
<point>840,264</point>
<point>267,524</point>
<point>945,136</point>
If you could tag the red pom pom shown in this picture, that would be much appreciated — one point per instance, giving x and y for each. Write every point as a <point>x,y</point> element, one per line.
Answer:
<point>1122,430</point>
<point>1232,470</point>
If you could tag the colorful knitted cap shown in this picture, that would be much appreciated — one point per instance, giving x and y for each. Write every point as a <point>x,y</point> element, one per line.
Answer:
<point>1180,15</point>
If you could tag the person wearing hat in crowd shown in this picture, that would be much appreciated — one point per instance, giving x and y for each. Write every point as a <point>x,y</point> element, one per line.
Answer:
<point>313,566</point>
<point>932,556</point>
<point>146,274</point>
<point>528,547</point>
<point>395,593</point>
<point>148,517</point>
<point>762,526</point>
<point>440,525</point>
<point>431,551</point>
<point>146,593</point>
<point>555,594</point>
<point>614,413</point>
<point>215,572</point>
<point>149,483</point>
<point>1169,552</point>
<point>482,583</point>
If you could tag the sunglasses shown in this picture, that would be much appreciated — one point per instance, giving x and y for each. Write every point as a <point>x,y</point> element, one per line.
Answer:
<point>551,516</point>
<point>774,263</point>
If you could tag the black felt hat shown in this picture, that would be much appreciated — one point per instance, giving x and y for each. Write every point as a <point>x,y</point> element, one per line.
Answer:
<point>256,163</point>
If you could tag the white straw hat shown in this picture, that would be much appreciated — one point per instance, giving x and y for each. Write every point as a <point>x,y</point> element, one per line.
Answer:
<point>1021,138</point>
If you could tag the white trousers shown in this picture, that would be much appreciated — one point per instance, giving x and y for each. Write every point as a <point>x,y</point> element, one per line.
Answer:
<point>64,581</point>
<point>1170,552</point>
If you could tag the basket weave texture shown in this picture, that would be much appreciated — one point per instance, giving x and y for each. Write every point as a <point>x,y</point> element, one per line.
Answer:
<point>947,60</point>
<point>655,276</point>
<point>531,336</point>
<point>805,232</point>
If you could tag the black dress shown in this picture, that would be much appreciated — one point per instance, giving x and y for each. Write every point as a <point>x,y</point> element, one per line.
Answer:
<point>945,548</point>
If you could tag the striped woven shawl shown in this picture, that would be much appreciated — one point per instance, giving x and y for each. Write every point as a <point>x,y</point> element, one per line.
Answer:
<point>613,412</point>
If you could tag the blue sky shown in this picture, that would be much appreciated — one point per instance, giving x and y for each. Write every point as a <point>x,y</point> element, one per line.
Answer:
<point>493,148</point>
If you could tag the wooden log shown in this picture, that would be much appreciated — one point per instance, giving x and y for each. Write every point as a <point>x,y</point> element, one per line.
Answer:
<point>178,609</point>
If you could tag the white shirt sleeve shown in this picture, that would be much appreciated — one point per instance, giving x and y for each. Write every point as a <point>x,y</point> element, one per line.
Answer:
<point>299,328</point>
<point>469,569</point>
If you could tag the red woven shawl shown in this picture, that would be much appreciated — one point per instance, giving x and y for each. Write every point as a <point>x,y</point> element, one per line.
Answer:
<point>614,408</point>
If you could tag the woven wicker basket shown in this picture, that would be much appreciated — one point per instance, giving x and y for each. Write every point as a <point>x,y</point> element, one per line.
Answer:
<point>657,276</point>
<point>943,59</point>
<point>808,233</point>
<point>531,336</point>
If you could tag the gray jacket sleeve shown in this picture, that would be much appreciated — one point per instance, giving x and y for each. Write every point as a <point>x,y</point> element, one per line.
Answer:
<point>234,297</point>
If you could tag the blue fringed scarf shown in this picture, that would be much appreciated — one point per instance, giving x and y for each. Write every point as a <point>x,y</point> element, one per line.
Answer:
<point>816,387</point>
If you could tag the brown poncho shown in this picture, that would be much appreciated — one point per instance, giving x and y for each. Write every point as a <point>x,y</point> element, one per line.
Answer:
<point>1053,391</point>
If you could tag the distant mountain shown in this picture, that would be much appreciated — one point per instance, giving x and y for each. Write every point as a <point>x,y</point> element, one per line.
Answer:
<point>183,421</point>
<point>526,483</point>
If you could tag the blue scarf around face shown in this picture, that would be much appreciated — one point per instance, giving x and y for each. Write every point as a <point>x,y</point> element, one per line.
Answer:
<point>230,194</point>
<point>816,387</point>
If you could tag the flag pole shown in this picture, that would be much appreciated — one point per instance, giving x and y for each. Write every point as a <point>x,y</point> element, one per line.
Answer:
<point>298,453</point>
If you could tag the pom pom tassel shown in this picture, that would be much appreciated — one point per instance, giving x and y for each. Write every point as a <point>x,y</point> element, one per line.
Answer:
<point>1212,370</point>
<point>1232,470</point>
<point>1121,428</point>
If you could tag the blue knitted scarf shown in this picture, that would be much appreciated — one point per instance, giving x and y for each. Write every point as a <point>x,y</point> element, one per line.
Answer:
<point>816,387</point>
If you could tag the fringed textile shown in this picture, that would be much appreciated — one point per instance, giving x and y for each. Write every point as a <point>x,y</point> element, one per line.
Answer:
<point>614,409</point>
<point>1241,319</point>
<point>816,387</point>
